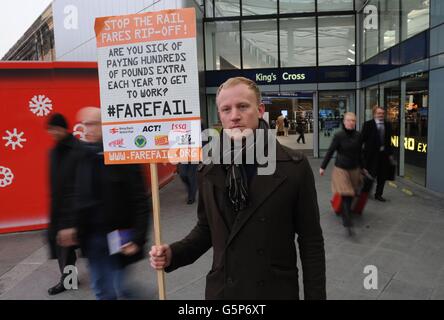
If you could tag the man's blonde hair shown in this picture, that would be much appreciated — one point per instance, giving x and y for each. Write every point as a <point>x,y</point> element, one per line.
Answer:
<point>350,114</point>
<point>376,107</point>
<point>89,113</point>
<point>241,80</point>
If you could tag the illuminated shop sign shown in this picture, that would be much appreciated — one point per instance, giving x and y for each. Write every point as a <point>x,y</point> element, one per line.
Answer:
<point>284,76</point>
<point>264,77</point>
<point>293,76</point>
<point>411,144</point>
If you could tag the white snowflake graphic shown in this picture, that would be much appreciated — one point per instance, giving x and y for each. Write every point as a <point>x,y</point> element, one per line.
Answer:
<point>40,105</point>
<point>14,139</point>
<point>6,177</point>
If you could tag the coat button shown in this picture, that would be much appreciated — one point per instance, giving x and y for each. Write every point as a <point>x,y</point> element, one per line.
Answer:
<point>261,283</point>
<point>262,219</point>
<point>229,280</point>
<point>260,252</point>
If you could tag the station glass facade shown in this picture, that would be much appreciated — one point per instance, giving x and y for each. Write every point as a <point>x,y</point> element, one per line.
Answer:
<point>317,59</point>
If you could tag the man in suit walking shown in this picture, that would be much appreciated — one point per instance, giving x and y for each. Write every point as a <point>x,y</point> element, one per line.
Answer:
<point>249,219</point>
<point>378,152</point>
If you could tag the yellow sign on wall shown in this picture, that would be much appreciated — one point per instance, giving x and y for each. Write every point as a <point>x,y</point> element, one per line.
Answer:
<point>410,144</point>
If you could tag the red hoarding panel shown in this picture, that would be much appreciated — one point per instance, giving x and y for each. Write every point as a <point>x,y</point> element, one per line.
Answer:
<point>29,93</point>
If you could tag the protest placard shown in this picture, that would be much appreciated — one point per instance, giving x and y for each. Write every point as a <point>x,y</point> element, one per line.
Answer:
<point>149,93</point>
<point>149,87</point>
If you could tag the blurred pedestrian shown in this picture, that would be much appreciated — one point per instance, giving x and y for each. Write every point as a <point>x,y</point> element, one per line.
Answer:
<point>286,126</point>
<point>61,164</point>
<point>378,152</point>
<point>112,207</point>
<point>273,124</point>
<point>347,173</point>
<point>280,125</point>
<point>300,128</point>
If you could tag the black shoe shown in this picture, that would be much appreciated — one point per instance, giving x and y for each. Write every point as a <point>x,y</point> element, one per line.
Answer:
<point>380,198</point>
<point>58,288</point>
<point>190,201</point>
<point>350,232</point>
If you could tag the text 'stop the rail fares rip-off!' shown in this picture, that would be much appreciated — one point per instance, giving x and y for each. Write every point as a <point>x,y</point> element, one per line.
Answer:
<point>149,88</point>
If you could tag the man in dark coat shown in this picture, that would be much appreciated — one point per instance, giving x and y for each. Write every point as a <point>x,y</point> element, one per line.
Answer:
<point>377,150</point>
<point>61,166</point>
<point>107,200</point>
<point>250,220</point>
<point>300,128</point>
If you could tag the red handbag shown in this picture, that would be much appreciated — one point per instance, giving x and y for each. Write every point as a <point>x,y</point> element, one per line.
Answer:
<point>360,203</point>
<point>336,203</point>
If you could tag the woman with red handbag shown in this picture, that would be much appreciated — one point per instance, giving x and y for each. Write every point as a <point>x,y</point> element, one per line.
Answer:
<point>346,175</point>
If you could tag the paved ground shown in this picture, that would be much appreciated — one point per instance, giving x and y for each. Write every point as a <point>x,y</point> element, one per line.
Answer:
<point>291,142</point>
<point>403,238</point>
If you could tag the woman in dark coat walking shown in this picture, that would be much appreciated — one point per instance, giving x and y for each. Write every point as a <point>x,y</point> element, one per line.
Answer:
<point>346,175</point>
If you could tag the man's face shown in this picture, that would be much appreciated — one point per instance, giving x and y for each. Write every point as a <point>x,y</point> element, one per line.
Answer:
<point>349,122</point>
<point>57,133</point>
<point>238,108</point>
<point>379,114</point>
<point>93,130</point>
<point>90,118</point>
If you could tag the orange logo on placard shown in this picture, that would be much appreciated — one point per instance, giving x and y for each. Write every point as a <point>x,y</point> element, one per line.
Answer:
<point>161,140</point>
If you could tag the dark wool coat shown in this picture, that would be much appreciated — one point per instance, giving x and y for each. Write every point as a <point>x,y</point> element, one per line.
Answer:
<point>61,175</point>
<point>126,204</point>
<point>371,145</point>
<point>258,258</point>
<point>348,146</point>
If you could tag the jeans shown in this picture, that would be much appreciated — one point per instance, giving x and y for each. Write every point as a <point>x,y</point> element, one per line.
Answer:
<point>106,272</point>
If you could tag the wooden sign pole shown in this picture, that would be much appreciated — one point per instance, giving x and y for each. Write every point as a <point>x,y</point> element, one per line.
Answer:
<point>156,218</point>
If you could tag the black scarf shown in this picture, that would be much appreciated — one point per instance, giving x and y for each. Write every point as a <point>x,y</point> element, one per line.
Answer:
<point>348,131</point>
<point>236,180</point>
